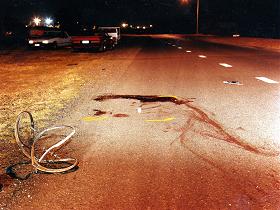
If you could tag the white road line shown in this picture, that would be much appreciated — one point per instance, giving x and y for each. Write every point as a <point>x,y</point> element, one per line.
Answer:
<point>188,51</point>
<point>225,65</point>
<point>202,56</point>
<point>180,48</point>
<point>264,79</point>
<point>173,45</point>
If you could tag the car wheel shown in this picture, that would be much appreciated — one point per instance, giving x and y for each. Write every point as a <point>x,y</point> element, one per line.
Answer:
<point>55,45</point>
<point>102,48</point>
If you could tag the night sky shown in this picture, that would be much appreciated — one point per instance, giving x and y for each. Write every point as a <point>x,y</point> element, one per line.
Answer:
<point>252,17</point>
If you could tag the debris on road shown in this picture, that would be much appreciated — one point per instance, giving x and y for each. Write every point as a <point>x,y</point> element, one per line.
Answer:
<point>139,110</point>
<point>29,146</point>
<point>232,83</point>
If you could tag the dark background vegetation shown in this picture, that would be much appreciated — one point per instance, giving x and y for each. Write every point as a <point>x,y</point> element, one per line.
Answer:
<point>256,18</point>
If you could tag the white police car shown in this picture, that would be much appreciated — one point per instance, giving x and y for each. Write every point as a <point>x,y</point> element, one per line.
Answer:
<point>52,39</point>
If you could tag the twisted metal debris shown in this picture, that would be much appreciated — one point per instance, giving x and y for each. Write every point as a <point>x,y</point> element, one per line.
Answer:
<point>28,149</point>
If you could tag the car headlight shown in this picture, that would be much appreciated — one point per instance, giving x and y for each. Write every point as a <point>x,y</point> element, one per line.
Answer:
<point>45,42</point>
<point>30,41</point>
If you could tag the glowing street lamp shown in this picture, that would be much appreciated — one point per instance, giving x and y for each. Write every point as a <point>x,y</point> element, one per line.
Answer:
<point>48,21</point>
<point>124,25</point>
<point>197,16</point>
<point>184,1</point>
<point>197,12</point>
<point>37,21</point>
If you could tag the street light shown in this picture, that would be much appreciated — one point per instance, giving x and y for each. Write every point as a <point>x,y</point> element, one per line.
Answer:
<point>124,25</point>
<point>48,21</point>
<point>197,12</point>
<point>197,16</point>
<point>37,21</point>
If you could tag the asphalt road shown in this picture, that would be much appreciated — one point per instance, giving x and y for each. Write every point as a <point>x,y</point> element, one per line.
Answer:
<point>200,144</point>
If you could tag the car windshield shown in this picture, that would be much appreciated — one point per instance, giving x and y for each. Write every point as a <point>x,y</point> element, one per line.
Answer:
<point>49,34</point>
<point>108,30</point>
<point>88,33</point>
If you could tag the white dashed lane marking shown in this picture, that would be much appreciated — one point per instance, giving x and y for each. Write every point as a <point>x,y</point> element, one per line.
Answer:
<point>225,65</point>
<point>202,56</point>
<point>264,79</point>
<point>188,51</point>
<point>180,48</point>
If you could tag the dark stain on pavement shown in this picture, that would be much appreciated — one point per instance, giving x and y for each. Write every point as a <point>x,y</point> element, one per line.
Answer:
<point>99,112</point>
<point>207,127</point>
<point>72,64</point>
<point>151,98</point>
<point>120,115</point>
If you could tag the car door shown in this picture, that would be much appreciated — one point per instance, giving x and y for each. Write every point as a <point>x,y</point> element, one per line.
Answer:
<point>66,39</point>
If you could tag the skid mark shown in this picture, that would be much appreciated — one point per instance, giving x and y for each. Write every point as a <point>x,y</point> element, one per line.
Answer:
<point>197,122</point>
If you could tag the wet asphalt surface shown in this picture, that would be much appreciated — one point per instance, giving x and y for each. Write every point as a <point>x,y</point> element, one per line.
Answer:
<point>166,132</point>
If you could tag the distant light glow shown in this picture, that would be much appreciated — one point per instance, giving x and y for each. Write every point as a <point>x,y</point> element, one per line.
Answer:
<point>48,21</point>
<point>184,1</point>
<point>124,25</point>
<point>37,21</point>
<point>202,56</point>
<point>188,51</point>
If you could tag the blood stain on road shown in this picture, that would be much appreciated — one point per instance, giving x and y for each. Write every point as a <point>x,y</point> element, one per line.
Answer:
<point>143,99</point>
<point>72,64</point>
<point>208,127</point>
<point>120,115</point>
<point>99,112</point>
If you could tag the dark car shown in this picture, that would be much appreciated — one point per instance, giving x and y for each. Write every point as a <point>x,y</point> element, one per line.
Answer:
<point>92,40</point>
